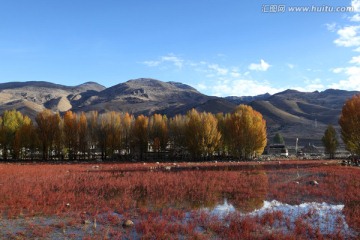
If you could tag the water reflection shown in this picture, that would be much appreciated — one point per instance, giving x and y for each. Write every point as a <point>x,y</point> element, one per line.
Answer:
<point>327,218</point>
<point>245,191</point>
<point>222,210</point>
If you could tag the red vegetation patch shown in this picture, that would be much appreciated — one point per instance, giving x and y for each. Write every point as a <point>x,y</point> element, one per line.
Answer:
<point>164,200</point>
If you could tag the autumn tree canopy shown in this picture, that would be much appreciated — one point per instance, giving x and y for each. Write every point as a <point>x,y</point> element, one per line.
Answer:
<point>10,123</point>
<point>202,134</point>
<point>140,135</point>
<point>49,131</point>
<point>114,135</point>
<point>247,132</point>
<point>350,124</point>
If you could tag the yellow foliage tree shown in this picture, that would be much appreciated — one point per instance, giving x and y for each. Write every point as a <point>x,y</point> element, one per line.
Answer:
<point>202,135</point>
<point>127,124</point>
<point>70,129</point>
<point>177,126</point>
<point>49,132</point>
<point>83,135</point>
<point>11,123</point>
<point>140,135</point>
<point>158,132</point>
<point>109,133</point>
<point>93,126</point>
<point>350,124</point>
<point>247,132</point>
<point>26,140</point>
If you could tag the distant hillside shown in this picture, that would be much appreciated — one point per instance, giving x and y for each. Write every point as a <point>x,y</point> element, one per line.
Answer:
<point>294,114</point>
<point>145,96</point>
<point>303,115</point>
<point>246,99</point>
<point>32,97</point>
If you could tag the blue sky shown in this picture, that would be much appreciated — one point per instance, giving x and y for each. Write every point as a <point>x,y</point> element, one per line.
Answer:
<point>220,47</point>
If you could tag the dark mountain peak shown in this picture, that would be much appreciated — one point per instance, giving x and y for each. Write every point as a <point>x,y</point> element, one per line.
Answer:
<point>339,92</point>
<point>148,84</point>
<point>42,84</point>
<point>148,87</point>
<point>90,83</point>
<point>94,86</point>
<point>247,99</point>
<point>157,84</point>
<point>182,86</point>
<point>287,92</point>
<point>145,81</point>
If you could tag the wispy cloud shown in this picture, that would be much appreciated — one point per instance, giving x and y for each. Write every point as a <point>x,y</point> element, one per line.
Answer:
<point>242,87</point>
<point>218,70</point>
<point>152,63</point>
<point>170,58</point>
<point>290,65</point>
<point>178,62</point>
<point>311,85</point>
<point>355,60</point>
<point>355,18</point>
<point>220,79</point>
<point>262,66</point>
<point>332,27</point>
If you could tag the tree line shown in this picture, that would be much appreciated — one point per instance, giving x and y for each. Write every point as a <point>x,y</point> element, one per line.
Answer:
<point>114,135</point>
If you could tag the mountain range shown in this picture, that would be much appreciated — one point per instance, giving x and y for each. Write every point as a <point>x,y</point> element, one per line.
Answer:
<point>294,114</point>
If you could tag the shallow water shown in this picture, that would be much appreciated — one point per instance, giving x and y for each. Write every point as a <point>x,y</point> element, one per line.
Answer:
<point>327,218</point>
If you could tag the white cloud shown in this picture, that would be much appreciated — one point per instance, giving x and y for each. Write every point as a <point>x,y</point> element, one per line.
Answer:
<point>337,70</point>
<point>170,58</point>
<point>291,66</point>
<point>352,82</point>
<point>178,62</point>
<point>311,85</point>
<point>355,60</point>
<point>201,87</point>
<point>242,87</point>
<point>348,36</point>
<point>331,27</point>
<point>355,18</point>
<point>262,66</point>
<point>235,74</point>
<point>218,70</point>
<point>152,63</point>
<point>356,5</point>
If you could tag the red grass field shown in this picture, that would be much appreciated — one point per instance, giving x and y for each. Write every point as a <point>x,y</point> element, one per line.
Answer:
<point>173,200</point>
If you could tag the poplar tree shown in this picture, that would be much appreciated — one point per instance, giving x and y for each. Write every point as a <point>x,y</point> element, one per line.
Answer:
<point>158,132</point>
<point>330,141</point>
<point>350,124</point>
<point>140,135</point>
<point>247,130</point>
<point>49,132</point>
<point>202,134</point>
<point>71,130</point>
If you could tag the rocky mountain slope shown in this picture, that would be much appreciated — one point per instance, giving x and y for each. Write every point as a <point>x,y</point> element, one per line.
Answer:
<point>144,96</point>
<point>303,115</point>
<point>294,114</point>
<point>33,97</point>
